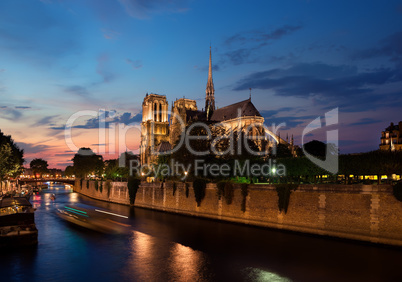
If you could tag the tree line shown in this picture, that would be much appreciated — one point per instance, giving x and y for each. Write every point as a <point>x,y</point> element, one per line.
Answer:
<point>11,157</point>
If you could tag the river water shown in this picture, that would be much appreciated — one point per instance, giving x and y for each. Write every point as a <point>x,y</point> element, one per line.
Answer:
<point>168,247</point>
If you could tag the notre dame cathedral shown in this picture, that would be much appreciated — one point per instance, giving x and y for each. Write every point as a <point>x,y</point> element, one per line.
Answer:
<point>159,134</point>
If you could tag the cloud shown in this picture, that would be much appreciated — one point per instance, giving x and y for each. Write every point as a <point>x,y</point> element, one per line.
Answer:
<point>329,85</point>
<point>144,9</point>
<point>10,114</point>
<point>2,70</point>
<point>108,118</point>
<point>103,68</point>
<point>76,90</point>
<point>45,120</point>
<point>317,79</point>
<point>366,121</point>
<point>291,122</point>
<point>261,36</point>
<point>60,164</point>
<point>247,44</point>
<point>109,34</point>
<point>240,56</point>
<point>137,64</point>
<point>22,107</point>
<point>30,148</point>
<point>64,155</point>
<point>389,47</point>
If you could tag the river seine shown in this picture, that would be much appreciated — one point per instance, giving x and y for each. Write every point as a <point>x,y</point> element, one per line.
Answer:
<point>168,247</point>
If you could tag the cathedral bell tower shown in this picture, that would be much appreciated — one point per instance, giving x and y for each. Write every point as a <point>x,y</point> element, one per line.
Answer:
<point>210,91</point>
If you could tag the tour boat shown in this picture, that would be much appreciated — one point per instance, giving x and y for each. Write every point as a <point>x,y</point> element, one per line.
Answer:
<point>91,219</point>
<point>17,222</point>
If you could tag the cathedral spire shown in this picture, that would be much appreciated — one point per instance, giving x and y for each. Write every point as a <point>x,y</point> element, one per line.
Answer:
<point>210,91</point>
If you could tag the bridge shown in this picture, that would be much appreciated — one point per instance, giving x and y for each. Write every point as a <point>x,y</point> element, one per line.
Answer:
<point>33,180</point>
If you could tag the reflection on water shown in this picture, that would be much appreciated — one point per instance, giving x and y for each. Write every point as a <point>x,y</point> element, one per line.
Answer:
<point>255,274</point>
<point>152,258</point>
<point>186,264</point>
<point>167,247</point>
<point>143,252</point>
<point>73,198</point>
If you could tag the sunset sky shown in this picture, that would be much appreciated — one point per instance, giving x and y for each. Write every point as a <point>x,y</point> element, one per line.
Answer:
<point>301,59</point>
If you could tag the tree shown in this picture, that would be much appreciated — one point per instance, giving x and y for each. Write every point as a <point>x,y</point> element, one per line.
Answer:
<point>38,166</point>
<point>281,151</point>
<point>11,157</point>
<point>319,149</point>
<point>87,162</point>
<point>69,171</point>
<point>114,171</point>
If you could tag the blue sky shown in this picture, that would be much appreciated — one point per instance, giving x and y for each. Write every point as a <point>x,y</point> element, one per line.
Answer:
<point>302,59</point>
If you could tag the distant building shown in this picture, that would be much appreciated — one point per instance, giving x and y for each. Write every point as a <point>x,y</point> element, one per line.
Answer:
<point>27,173</point>
<point>158,134</point>
<point>391,137</point>
<point>55,173</point>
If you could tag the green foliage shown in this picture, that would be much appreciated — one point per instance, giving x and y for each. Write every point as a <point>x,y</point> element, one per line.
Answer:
<point>319,149</point>
<point>244,193</point>
<point>133,184</point>
<point>39,166</point>
<point>225,189</point>
<point>281,151</point>
<point>199,186</point>
<point>227,150</point>
<point>69,171</point>
<point>284,191</point>
<point>397,191</point>
<point>187,190</point>
<point>114,171</point>
<point>11,157</point>
<point>174,188</point>
<point>86,162</point>
<point>108,185</point>
<point>184,156</point>
<point>163,164</point>
<point>5,157</point>
<point>371,163</point>
<point>228,193</point>
<point>220,188</point>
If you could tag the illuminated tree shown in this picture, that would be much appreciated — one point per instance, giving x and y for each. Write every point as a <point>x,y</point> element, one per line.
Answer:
<point>11,157</point>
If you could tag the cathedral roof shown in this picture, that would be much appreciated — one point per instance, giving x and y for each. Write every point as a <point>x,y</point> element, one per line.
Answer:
<point>195,115</point>
<point>231,111</point>
<point>393,126</point>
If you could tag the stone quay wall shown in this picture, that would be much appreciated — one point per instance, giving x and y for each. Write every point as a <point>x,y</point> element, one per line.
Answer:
<point>359,212</point>
<point>115,192</point>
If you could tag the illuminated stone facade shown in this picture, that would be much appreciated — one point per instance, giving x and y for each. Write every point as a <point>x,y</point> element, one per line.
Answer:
<point>391,137</point>
<point>154,126</point>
